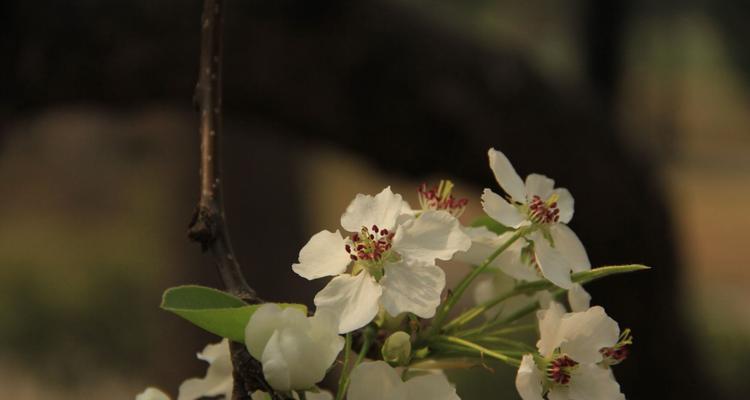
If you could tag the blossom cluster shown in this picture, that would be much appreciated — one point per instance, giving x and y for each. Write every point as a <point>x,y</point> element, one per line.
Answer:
<point>386,301</point>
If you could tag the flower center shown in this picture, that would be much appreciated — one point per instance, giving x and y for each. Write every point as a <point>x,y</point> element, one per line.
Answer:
<point>370,245</point>
<point>440,198</point>
<point>559,370</point>
<point>544,212</point>
<point>619,352</point>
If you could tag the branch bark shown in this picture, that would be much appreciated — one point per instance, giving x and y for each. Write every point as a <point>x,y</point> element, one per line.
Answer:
<point>209,226</point>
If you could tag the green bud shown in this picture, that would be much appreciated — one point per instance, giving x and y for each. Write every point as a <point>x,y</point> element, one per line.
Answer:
<point>397,348</point>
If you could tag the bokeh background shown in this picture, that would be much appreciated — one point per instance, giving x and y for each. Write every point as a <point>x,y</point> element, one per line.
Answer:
<point>640,108</point>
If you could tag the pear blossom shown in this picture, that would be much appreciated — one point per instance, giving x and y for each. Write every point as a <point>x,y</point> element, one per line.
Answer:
<point>321,395</point>
<point>295,350</point>
<point>379,381</point>
<point>552,247</point>
<point>515,262</point>
<point>152,394</point>
<point>392,252</point>
<point>218,380</point>
<point>574,357</point>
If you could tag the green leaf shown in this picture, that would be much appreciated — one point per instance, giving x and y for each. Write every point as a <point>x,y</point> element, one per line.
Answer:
<point>213,310</point>
<point>583,277</point>
<point>490,224</point>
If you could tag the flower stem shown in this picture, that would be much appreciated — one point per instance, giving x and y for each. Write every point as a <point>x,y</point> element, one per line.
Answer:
<point>343,379</point>
<point>465,344</point>
<point>468,279</point>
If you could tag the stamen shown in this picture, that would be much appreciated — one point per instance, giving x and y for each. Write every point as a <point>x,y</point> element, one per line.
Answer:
<point>440,198</point>
<point>619,352</point>
<point>559,370</point>
<point>544,212</point>
<point>370,246</point>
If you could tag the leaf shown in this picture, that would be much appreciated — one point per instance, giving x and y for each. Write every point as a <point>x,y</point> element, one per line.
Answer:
<point>213,310</point>
<point>583,277</point>
<point>490,224</point>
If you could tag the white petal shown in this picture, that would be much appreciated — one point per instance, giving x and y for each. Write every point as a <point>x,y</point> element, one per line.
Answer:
<point>578,298</point>
<point>482,244</point>
<point>511,263</point>
<point>549,328</point>
<point>539,185</point>
<point>434,235</point>
<point>323,255</point>
<point>500,210</point>
<point>506,175</point>
<point>564,204</point>
<point>568,244</point>
<point>529,379</point>
<point>218,379</point>
<point>381,210</point>
<point>583,334</point>
<point>375,381</point>
<point>353,298</point>
<point>430,387</point>
<point>592,382</point>
<point>152,394</point>
<point>301,350</point>
<point>260,327</point>
<point>555,267</point>
<point>411,288</point>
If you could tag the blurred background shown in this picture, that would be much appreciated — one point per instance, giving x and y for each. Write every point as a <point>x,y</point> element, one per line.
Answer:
<point>639,108</point>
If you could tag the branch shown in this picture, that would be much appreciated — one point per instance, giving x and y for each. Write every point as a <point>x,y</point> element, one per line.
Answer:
<point>208,226</point>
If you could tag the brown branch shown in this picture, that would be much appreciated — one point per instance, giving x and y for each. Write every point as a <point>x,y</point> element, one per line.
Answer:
<point>208,226</point>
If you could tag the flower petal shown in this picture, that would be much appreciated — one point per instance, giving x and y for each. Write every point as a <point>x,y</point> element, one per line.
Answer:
<point>568,244</point>
<point>564,204</point>
<point>500,210</point>
<point>323,255</point>
<point>593,382</point>
<point>549,328</point>
<point>381,210</point>
<point>375,381</point>
<point>506,176</point>
<point>483,242</point>
<point>539,185</point>
<point>555,267</point>
<point>353,298</point>
<point>434,235</point>
<point>432,387</point>
<point>151,394</point>
<point>260,327</point>
<point>529,379</point>
<point>412,288</point>
<point>578,298</point>
<point>583,334</point>
<point>218,380</point>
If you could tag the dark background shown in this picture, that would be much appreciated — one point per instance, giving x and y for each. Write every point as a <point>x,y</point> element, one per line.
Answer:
<point>639,109</point>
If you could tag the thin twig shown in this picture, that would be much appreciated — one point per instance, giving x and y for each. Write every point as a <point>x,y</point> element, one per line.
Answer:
<point>208,226</point>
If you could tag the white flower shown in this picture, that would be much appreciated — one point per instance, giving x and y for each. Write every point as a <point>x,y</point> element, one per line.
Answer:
<point>295,350</point>
<point>218,380</point>
<point>555,248</point>
<point>379,381</point>
<point>322,395</point>
<point>573,350</point>
<point>152,394</point>
<point>393,256</point>
<point>514,263</point>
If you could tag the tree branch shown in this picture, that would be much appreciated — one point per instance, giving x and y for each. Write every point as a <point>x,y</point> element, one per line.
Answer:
<point>208,226</point>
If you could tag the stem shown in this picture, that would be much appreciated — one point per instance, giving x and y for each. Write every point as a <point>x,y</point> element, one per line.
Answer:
<point>343,379</point>
<point>468,279</point>
<point>209,226</point>
<point>368,334</point>
<point>481,349</point>
<point>302,395</point>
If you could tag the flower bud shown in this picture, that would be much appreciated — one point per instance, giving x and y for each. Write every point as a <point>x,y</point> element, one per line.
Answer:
<point>397,348</point>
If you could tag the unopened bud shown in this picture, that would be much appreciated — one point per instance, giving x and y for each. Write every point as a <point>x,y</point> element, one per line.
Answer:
<point>397,348</point>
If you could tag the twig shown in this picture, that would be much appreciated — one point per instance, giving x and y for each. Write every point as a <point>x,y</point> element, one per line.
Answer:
<point>208,226</point>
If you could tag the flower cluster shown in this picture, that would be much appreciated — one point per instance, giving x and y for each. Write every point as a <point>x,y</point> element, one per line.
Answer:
<point>386,316</point>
